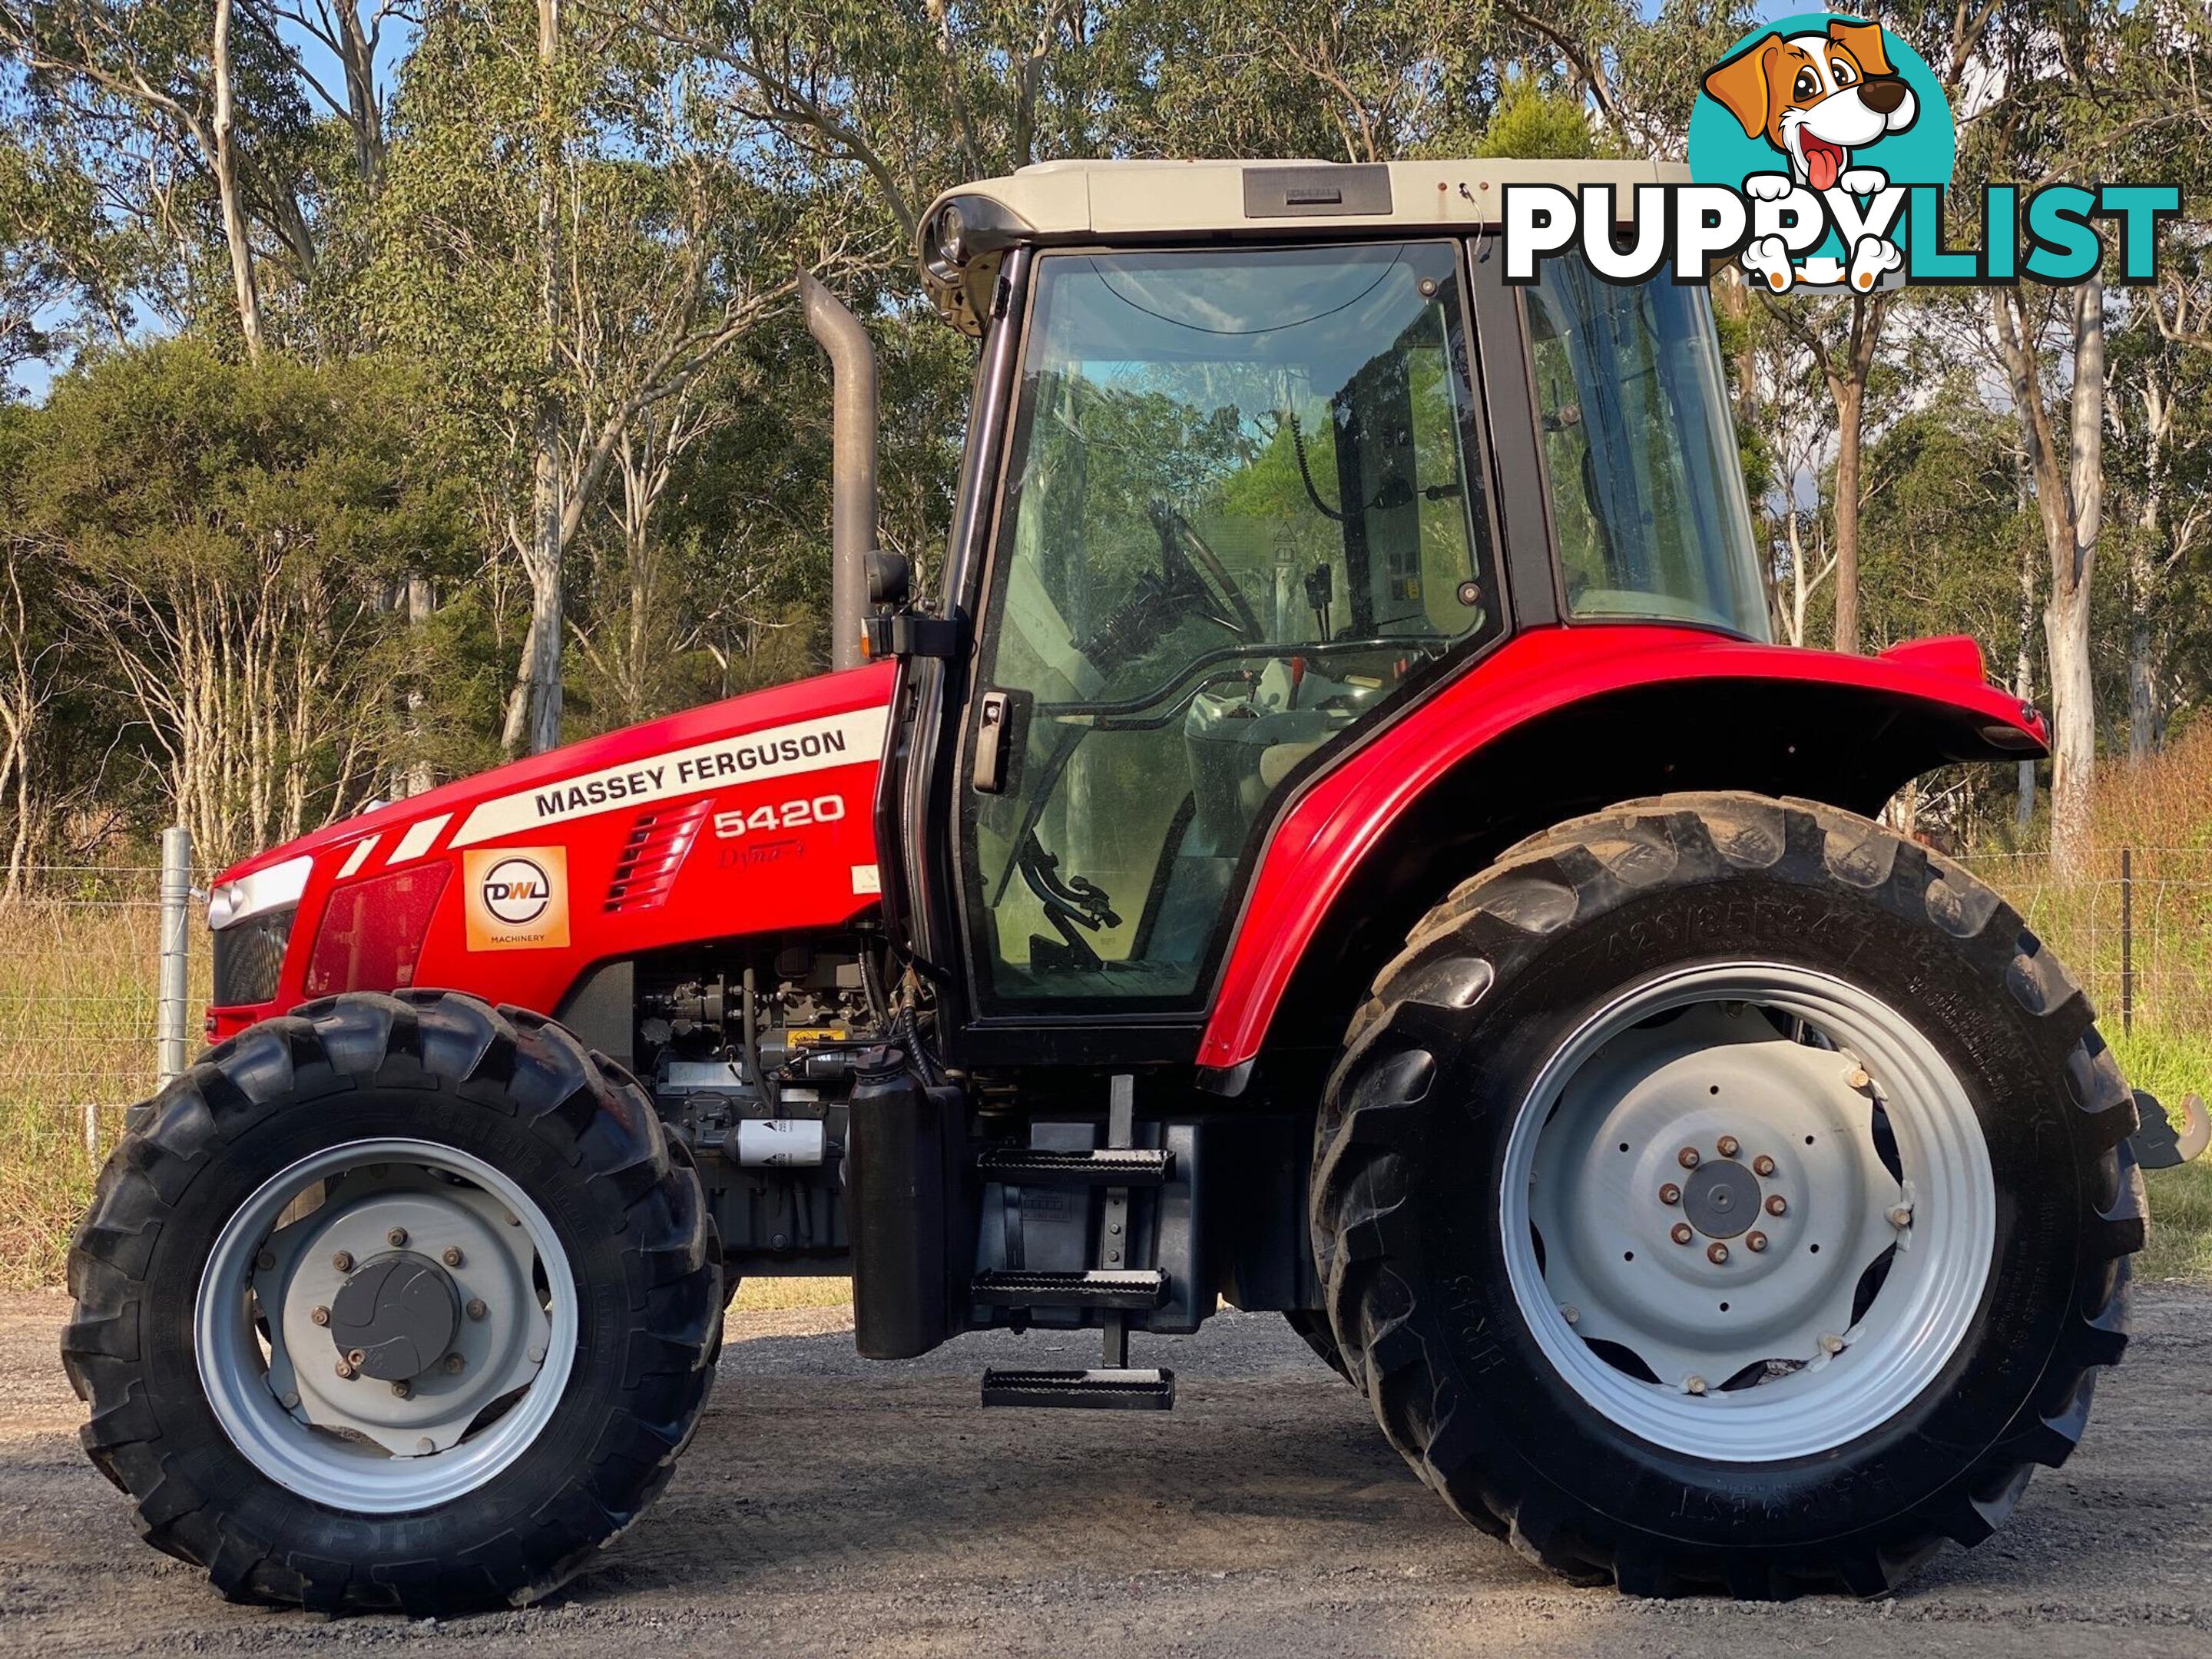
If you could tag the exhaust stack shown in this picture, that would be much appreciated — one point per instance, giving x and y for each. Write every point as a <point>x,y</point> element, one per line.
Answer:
<point>852,449</point>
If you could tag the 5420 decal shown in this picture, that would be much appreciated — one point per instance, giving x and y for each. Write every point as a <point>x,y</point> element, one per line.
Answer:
<point>789,815</point>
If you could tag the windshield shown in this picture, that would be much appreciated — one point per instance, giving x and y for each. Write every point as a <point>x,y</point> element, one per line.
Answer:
<point>1245,504</point>
<point>1647,487</point>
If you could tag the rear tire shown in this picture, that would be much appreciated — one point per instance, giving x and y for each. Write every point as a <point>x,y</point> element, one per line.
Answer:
<point>1313,1329</point>
<point>202,1451</point>
<point>1489,1392</point>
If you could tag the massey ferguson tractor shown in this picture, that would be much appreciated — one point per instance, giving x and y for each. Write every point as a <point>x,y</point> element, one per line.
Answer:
<point>1337,838</point>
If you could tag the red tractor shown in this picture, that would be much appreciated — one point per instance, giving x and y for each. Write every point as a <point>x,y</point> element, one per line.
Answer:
<point>1340,840</point>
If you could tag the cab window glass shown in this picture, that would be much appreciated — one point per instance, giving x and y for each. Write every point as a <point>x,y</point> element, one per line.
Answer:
<point>1647,487</point>
<point>1244,504</point>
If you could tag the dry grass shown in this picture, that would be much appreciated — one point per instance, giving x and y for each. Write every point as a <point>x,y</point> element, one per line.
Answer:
<point>77,971</point>
<point>762,1295</point>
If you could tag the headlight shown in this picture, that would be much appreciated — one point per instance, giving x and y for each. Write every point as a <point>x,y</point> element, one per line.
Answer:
<point>254,894</point>
<point>947,244</point>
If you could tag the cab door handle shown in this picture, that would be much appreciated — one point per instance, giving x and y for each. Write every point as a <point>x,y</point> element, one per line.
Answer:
<point>994,726</point>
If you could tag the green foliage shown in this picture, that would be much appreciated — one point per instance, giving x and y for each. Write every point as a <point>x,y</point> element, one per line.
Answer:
<point>1534,124</point>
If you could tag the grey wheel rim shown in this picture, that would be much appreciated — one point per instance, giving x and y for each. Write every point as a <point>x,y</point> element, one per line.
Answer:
<point>469,1351</point>
<point>1701,1222</point>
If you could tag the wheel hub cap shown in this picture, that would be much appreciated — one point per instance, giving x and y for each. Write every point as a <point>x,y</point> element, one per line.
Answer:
<point>398,1314</point>
<point>1721,1199</point>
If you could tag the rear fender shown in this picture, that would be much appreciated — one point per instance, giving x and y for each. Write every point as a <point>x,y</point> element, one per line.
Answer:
<point>1557,723</point>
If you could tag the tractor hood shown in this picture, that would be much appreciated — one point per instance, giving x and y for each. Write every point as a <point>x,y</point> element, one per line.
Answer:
<point>867,687</point>
<point>750,815</point>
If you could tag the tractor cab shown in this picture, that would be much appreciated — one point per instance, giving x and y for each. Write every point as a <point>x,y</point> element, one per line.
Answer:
<point>1245,483</point>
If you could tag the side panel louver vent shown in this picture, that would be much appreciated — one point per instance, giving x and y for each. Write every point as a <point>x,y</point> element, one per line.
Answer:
<point>652,853</point>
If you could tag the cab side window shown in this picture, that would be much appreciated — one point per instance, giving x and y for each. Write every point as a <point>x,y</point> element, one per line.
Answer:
<point>1245,502</point>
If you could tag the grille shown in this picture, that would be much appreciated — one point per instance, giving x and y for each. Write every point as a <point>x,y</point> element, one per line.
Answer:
<point>651,855</point>
<point>248,957</point>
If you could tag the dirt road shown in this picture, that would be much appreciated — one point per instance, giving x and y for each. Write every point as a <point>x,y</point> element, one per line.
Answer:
<point>832,1506</point>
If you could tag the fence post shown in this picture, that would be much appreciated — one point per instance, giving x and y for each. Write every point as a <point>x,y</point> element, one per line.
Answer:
<point>172,1014</point>
<point>2127,939</point>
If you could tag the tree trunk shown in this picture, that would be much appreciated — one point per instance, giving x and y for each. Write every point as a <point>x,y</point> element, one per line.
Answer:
<point>2066,615</point>
<point>357,53</point>
<point>422,602</point>
<point>2023,672</point>
<point>540,687</point>
<point>2069,497</point>
<point>1850,404</point>
<point>247,289</point>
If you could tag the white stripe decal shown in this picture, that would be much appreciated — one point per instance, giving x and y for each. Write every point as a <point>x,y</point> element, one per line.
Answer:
<point>359,856</point>
<point>421,836</point>
<point>778,751</point>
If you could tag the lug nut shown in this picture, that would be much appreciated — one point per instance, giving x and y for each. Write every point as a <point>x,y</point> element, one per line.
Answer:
<point>452,1255</point>
<point>1777,1205</point>
<point>1717,1252</point>
<point>319,1316</point>
<point>1729,1146</point>
<point>477,1310</point>
<point>288,1399</point>
<point>1572,1314</point>
<point>396,1237</point>
<point>343,1262</point>
<point>1762,1165</point>
<point>1687,1157</point>
<point>356,1358</point>
<point>1901,1216</point>
<point>1693,1384</point>
<point>454,1362</point>
<point>536,1353</point>
<point>425,1446</point>
<point>1681,1232</point>
<point>1857,1078</point>
<point>345,1371</point>
<point>1754,1242</point>
<point>403,1389</point>
<point>1831,1344</point>
<point>1670,1193</point>
<point>265,1261</point>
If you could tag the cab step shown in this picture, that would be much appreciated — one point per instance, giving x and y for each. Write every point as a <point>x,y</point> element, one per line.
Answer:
<point>1129,1289</point>
<point>1106,1166</point>
<point>1107,1389</point>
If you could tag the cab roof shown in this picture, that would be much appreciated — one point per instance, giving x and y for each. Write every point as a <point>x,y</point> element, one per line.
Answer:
<point>1153,202</point>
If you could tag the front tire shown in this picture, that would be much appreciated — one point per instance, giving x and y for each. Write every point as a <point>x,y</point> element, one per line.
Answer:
<point>1579,1059</point>
<point>491,1219</point>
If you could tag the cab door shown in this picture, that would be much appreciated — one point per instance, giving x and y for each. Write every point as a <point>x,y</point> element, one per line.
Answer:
<point>1244,511</point>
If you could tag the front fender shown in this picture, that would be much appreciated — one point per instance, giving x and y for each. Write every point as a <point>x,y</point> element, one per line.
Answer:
<point>1557,722</point>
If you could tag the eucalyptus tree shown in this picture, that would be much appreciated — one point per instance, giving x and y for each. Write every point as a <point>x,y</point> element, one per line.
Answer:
<point>569,238</point>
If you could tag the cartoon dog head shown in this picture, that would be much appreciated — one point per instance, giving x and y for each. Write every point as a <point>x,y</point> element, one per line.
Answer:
<point>1815,97</point>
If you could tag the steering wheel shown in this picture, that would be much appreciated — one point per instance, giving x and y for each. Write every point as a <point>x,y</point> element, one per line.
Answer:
<point>1212,580</point>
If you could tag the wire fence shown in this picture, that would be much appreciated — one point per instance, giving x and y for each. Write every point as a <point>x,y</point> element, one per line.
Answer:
<point>80,974</point>
<point>80,969</point>
<point>81,952</point>
<point>2134,924</point>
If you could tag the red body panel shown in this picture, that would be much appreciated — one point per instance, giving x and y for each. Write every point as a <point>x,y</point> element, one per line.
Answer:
<point>737,841</point>
<point>1341,816</point>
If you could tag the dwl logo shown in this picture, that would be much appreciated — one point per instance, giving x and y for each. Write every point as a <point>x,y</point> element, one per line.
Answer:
<point>516,890</point>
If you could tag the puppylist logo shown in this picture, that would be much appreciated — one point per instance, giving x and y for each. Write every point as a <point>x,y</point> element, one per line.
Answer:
<point>1820,149</point>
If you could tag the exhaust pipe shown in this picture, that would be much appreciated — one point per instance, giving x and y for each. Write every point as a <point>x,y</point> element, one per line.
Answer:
<point>853,472</point>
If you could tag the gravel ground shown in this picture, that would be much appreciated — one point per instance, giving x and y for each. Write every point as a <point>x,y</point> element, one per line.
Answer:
<point>829,1506</point>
